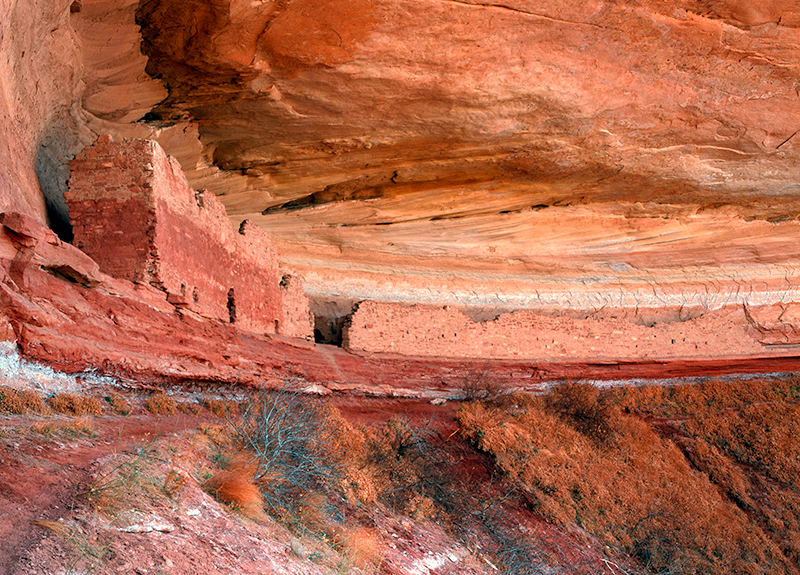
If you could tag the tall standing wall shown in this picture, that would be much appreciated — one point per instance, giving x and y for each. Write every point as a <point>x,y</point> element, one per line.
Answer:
<point>134,213</point>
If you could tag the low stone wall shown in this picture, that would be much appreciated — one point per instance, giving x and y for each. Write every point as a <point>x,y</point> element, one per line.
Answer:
<point>418,330</point>
<point>134,213</point>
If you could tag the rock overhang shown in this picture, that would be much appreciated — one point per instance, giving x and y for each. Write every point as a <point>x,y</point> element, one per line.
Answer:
<point>458,151</point>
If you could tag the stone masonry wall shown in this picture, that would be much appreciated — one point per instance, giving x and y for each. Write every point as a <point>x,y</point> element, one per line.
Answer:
<point>134,213</point>
<point>298,321</point>
<point>418,330</point>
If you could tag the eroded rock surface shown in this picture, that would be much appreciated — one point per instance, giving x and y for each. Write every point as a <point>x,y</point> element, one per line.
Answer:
<point>477,153</point>
<point>637,159</point>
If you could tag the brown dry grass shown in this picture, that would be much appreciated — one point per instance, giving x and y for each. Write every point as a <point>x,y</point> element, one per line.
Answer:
<point>174,482</point>
<point>582,460</point>
<point>71,404</point>
<point>745,435</point>
<point>221,408</point>
<point>362,547</point>
<point>707,397</point>
<point>764,436</point>
<point>407,472</point>
<point>160,404</point>
<point>20,401</point>
<point>66,429</point>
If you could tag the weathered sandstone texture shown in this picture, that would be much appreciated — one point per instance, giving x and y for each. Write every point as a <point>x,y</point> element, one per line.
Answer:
<point>40,74</point>
<point>27,243</point>
<point>525,155</point>
<point>134,213</point>
<point>446,332</point>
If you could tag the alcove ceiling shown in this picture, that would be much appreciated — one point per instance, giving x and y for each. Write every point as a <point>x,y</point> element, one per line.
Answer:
<point>476,152</point>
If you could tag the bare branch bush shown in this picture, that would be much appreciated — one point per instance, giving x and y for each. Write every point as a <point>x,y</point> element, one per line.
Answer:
<point>287,436</point>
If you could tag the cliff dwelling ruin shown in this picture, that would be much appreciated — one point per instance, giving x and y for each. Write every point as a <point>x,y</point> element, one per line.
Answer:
<point>465,176</point>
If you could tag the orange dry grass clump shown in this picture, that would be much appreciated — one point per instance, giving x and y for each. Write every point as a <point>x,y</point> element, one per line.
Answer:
<point>236,487</point>
<point>160,404</point>
<point>221,408</point>
<point>348,447</point>
<point>67,429</point>
<point>581,460</point>
<point>72,404</point>
<point>19,401</point>
<point>362,546</point>
<point>118,403</point>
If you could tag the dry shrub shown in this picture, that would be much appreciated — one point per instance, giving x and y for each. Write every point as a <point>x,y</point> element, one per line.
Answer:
<point>304,448</point>
<point>349,446</point>
<point>118,404</point>
<point>359,486</point>
<point>20,401</point>
<point>160,403</point>
<point>481,386</point>
<point>635,490</point>
<point>288,438</point>
<point>582,403</point>
<point>408,473</point>
<point>72,404</point>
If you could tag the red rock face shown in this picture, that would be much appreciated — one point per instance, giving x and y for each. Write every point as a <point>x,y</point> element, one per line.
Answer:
<point>130,331</point>
<point>473,153</point>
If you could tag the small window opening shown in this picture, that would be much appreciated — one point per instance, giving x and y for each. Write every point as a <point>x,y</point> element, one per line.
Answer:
<point>231,306</point>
